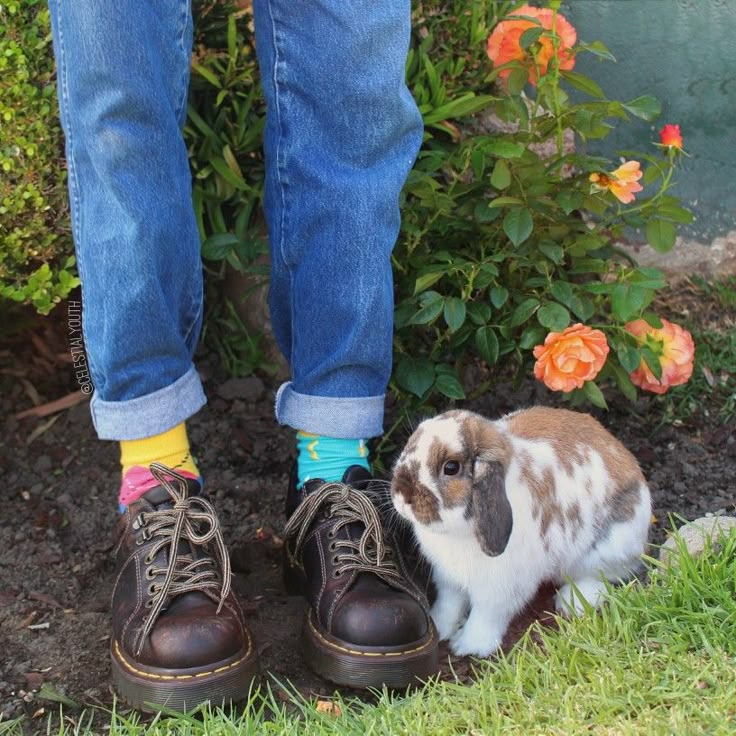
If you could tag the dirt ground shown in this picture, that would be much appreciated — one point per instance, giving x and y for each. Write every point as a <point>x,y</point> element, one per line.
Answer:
<point>58,512</point>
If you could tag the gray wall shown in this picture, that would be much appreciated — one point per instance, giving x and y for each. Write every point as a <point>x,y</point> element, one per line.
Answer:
<point>684,53</point>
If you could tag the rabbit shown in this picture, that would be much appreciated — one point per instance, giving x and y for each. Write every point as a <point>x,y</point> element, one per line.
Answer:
<point>500,507</point>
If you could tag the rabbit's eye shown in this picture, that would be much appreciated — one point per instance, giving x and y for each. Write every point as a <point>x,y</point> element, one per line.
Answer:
<point>451,467</point>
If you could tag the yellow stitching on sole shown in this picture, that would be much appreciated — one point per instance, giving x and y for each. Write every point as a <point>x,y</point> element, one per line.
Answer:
<point>151,676</point>
<point>367,654</point>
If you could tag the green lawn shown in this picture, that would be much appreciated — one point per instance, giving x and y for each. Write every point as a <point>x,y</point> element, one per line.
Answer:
<point>658,659</point>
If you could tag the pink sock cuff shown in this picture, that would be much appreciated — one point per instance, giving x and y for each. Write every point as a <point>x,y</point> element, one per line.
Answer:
<point>138,480</point>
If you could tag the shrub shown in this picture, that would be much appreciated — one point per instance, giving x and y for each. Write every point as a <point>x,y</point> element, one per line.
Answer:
<point>509,233</point>
<point>35,244</point>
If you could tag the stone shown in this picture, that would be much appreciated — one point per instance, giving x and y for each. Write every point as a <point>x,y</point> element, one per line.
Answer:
<point>695,534</point>
<point>246,389</point>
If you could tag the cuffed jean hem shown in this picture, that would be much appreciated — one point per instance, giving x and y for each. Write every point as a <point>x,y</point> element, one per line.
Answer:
<point>151,414</point>
<point>343,418</point>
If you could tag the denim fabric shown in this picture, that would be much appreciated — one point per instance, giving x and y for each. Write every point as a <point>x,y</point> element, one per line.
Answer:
<point>341,135</point>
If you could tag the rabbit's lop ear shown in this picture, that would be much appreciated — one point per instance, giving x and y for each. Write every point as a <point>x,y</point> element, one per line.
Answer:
<point>491,509</point>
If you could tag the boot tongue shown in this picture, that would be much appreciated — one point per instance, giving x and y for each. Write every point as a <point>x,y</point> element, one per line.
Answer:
<point>160,498</point>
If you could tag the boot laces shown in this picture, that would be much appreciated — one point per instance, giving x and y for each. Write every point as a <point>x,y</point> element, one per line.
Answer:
<point>346,505</point>
<point>192,519</point>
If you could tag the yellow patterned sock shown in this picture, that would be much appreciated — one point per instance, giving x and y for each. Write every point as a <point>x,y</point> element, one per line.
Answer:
<point>170,448</point>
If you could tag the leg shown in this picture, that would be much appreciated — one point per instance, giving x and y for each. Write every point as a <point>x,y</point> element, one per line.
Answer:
<point>341,135</point>
<point>615,556</point>
<point>123,79</point>
<point>483,632</point>
<point>491,612</point>
<point>179,636</point>
<point>449,607</point>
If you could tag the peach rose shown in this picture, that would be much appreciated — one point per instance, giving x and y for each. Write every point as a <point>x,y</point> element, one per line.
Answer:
<point>674,347</point>
<point>623,183</point>
<point>671,137</point>
<point>570,358</point>
<point>504,42</point>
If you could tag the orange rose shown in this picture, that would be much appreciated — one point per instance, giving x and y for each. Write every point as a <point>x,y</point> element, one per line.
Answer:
<point>671,137</point>
<point>623,183</point>
<point>675,349</point>
<point>504,43</point>
<point>570,358</point>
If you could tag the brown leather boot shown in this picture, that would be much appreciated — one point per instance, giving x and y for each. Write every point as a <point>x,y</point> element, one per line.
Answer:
<point>179,636</point>
<point>367,624</point>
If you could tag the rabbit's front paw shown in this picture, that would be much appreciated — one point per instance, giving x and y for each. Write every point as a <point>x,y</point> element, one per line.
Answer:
<point>475,641</point>
<point>446,619</point>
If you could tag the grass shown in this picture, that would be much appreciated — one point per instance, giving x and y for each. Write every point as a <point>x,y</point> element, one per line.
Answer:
<point>658,659</point>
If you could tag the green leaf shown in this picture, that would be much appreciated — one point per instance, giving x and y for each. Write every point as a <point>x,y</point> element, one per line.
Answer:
<point>501,176</point>
<point>569,200</point>
<point>518,225</point>
<point>627,301</point>
<point>48,692</point>
<point>583,84</point>
<point>455,312</point>
<point>623,382</point>
<point>479,312</point>
<point>217,247</point>
<point>502,148</point>
<point>516,81</point>
<point>532,336</point>
<point>505,201</point>
<point>670,209</point>
<point>629,358</point>
<point>553,316</point>
<point>594,395</point>
<point>499,295</point>
<point>221,167</point>
<point>426,280</point>
<point>484,212</point>
<point>562,291</point>
<point>486,343</point>
<point>554,252</point>
<point>429,312</point>
<point>530,37</point>
<point>206,74</point>
<point>652,361</point>
<point>449,386</point>
<point>415,375</point>
<point>523,311</point>
<point>645,107</point>
<point>661,235</point>
<point>467,104</point>
<point>652,320</point>
<point>598,49</point>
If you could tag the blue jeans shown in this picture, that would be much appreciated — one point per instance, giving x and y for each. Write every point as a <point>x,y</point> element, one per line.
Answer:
<point>342,133</point>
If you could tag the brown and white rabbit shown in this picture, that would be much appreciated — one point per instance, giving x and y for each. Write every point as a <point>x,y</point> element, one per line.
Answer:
<point>500,507</point>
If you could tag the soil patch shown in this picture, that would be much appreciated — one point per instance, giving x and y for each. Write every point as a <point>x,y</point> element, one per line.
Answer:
<point>59,512</point>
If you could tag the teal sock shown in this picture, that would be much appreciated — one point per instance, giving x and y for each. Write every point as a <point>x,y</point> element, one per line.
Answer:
<point>327,458</point>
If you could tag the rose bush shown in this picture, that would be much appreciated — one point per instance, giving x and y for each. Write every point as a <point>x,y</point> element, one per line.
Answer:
<point>509,257</point>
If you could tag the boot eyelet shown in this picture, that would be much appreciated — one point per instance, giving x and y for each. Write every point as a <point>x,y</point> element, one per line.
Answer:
<point>149,603</point>
<point>332,546</point>
<point>337,574</point>
<point>335,560</point>
<point>331,534</point>
<point>148,560</point>
<point>151,589</point>
<point>150,574</point>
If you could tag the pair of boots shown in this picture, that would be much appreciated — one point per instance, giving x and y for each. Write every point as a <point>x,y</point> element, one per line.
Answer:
<point>179,634</point>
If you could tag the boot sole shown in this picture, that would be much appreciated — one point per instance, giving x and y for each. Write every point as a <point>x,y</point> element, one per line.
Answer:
<point>147,688</point>
<point>345,664</point>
